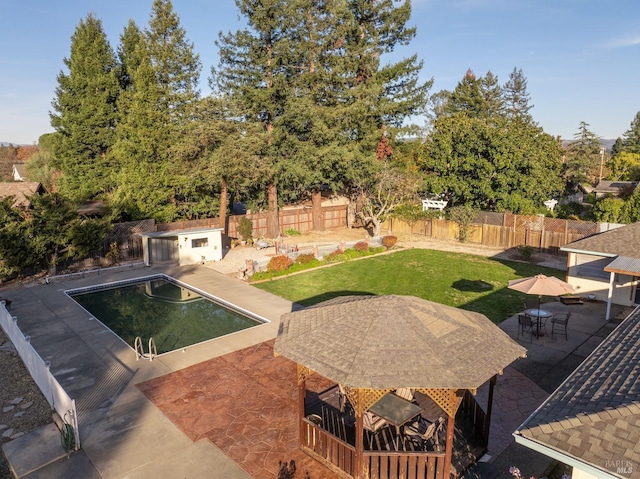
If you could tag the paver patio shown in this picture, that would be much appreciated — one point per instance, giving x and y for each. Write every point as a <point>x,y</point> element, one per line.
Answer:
<point>246,404</point>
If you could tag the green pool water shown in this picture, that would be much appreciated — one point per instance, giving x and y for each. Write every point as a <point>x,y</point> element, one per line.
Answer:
<point>174,315</point>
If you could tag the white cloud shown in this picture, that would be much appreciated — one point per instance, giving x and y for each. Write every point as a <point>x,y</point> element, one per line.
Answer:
<point>623,42</point>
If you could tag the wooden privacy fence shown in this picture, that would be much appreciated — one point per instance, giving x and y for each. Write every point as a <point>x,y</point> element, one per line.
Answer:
<point>299,219</point>
<point>502,230</point>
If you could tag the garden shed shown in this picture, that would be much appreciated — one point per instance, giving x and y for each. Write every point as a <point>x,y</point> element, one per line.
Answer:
<point>189,246</point>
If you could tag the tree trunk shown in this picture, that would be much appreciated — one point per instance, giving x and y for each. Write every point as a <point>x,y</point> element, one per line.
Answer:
<point>224,204</point>
<point>376,225</point>
<point>316,211</point>
<point>273,220</point>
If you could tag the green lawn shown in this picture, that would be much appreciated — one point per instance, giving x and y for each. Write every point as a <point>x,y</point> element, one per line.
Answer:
<point>466,281</point>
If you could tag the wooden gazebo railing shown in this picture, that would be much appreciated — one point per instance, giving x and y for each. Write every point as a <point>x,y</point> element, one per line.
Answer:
<point>340,457</point>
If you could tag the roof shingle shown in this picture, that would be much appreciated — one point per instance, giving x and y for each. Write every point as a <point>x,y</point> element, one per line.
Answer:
<point>594,415</point>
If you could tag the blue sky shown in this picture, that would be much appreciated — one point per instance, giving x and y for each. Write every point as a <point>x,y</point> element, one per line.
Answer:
<point>581,57</point>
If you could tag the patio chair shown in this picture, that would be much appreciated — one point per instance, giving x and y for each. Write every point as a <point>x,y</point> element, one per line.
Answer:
<point>372,423</point>
<point>421,432</point>
<point>525,325</point>
<point>559,322</point>
<point>405,393</point>
<point>531,304</point>
<point>342,398</point>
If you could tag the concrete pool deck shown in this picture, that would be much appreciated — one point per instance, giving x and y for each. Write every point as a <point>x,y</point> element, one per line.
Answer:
<point>122,433</point>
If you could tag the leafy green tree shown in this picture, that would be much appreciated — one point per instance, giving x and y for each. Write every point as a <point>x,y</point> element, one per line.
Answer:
<point>608,210</point>
<point>49,220</point>
<point>411,213</point>
<point>175,64</point>
<point>41,166</point>
<point>468,97</point>
<point>491,166</point>
<point>493,95</point>
<point>253,70</point>
<point>463,216</point>
<point>44,234</point>
<point>341,126</point>
<point>517,98</point>
<point>16,253</point>
<point>630,211</point>
<point>583,156</point>
<point>390,187</point>
<point>618,147</point>
<point>85,112</point>
<point>158,104</point>
<point>218,147</point>
<point>310,73</point>
<point>624,166</point>
<point>129,54</point>
<point>631,137</point>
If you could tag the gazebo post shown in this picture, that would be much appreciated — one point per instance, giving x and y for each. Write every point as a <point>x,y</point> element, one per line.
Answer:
<point>302,393</point>
<point>487,422</point>
<point>359,466</point>
<point>448,447</point>
<point>359,457</point>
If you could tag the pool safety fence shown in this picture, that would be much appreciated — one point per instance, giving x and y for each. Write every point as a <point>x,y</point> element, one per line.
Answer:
<point>51,389</point>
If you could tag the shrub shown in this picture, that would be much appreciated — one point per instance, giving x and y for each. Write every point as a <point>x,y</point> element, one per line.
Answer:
<point>279,263</point>
<point>389,241</point>
<point>113,254</point>
<point>334,256</point>
<point>305,258</point>
<point>245,228</point>
<point>463,216</point>
<point>292,232</point>
<point>361,246</point>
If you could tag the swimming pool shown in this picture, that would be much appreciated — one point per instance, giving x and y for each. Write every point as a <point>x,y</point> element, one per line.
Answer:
<point>174,314</point>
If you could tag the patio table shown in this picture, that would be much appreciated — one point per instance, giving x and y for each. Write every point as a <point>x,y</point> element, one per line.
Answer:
<point>395,410</point>
<point>539,314</point>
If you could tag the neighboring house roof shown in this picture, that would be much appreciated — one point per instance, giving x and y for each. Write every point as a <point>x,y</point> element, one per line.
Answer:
<point>20,190</point>
<point>20,172</point>
<point>592,421</point>
<point>613,187</point>
<point>621,241</point>
<point>585,187</point>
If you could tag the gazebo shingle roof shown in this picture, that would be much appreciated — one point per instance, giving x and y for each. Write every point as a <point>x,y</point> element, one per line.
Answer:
<point>594,416</point>
<point>385,342</point>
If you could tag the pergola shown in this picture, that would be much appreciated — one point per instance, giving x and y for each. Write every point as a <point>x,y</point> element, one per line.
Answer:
<point>372,345</point>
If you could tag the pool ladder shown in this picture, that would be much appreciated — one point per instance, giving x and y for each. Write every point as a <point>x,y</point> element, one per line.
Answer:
<point>153,351</point>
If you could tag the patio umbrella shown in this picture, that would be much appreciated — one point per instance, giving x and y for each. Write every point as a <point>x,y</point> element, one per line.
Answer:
<point>541,285</point>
